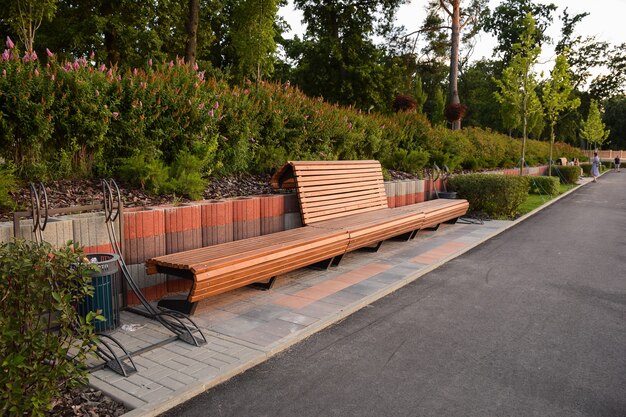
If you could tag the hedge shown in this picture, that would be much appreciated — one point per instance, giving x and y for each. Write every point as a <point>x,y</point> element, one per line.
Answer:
<point>544,185</point>
<point>568,174</point>
<point>166,127</point>
<point>493,194</point>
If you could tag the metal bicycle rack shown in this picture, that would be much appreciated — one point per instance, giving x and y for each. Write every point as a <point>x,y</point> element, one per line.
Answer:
<point>107,348</point>
<point>178,323</point>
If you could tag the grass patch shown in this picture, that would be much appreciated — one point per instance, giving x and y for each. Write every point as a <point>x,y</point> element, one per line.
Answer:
<point>536,200</point>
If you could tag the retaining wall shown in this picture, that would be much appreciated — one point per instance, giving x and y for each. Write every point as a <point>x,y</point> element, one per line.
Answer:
<point>155,231</point>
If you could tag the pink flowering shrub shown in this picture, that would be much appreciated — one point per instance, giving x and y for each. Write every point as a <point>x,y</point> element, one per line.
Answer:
<point>166,126</point>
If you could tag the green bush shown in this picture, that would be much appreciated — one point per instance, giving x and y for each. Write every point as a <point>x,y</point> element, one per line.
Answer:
<point>8,184</point>
<point>544,185</point>
<point>39,287</point>
<point>567,174</point>
<point>493,194</point>
<point>406,161</point>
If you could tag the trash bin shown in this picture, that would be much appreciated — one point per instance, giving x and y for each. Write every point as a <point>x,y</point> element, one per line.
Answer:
<point>106,284</point>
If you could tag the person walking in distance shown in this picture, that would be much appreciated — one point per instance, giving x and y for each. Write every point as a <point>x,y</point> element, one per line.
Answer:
<point>595,167</point>
<point>617,162</point>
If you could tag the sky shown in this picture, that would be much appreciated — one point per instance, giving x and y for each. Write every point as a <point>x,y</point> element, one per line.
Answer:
<point>606,21</point>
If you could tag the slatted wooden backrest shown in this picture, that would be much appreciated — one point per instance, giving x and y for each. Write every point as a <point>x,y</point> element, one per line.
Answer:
<point>333,189</point>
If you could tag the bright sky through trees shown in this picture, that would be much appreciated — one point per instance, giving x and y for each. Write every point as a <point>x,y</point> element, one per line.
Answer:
<point>605,20</point>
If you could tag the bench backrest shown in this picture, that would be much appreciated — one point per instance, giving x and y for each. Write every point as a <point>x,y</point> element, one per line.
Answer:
<point>333,189</point>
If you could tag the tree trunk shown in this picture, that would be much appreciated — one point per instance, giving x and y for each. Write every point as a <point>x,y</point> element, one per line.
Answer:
<point>192,31</point>
<point>524,128</point>
<point>110,34</point>
<point>453,97</point>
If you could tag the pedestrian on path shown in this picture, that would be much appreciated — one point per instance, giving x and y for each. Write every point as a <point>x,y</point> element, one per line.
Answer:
<point>617,163</point>
<point>595,167</point>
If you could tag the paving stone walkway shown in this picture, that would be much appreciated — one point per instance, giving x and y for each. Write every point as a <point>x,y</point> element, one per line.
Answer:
<point>246,326</point>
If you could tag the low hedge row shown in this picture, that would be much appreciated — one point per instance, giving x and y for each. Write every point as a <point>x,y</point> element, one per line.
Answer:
<point>544,185</point>
<point>493,194</point>
<point>568,174</point>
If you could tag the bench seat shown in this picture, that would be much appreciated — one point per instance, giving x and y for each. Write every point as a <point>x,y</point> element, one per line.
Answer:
<point>373,227</point>
<point>438,211</point>
<point>220,268</point>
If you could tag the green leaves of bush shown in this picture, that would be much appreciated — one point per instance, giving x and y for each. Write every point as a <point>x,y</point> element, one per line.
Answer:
<point>493,194</point>
<point>544,185</point>
<point>567,174</point>
<point>39,328</point>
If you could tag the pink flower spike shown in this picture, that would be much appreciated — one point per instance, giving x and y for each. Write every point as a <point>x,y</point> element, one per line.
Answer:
<point>36,72</point>
<point>10,43</point>
<point>76,65</point>
<point>102,67</point>
<point>53,77</point>
<point>93,55</point>
<point>4,73</point>
<point>171,64</point>
<point>33,56</point>
<point>6,55</point>
<point>195,66</point>
<point>211,113</point>
<point>110,72</point>
<point>150,62</point>
<point>49,52</point>
<point>135,71</point>
<point>115,114</point>
<point>216,105</point>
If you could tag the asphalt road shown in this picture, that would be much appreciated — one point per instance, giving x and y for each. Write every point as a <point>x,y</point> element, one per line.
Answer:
<point>531,323</point>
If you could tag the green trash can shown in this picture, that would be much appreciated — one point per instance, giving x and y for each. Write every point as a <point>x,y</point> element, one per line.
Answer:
<point>105,299</point>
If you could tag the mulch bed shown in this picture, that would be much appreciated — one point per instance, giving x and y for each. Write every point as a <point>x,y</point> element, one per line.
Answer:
<point>86,402</point>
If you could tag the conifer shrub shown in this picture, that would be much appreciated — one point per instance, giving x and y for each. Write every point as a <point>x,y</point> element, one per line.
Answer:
<point>493,194</point>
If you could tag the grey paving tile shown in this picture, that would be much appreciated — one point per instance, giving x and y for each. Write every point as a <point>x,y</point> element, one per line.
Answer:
<point>296,318</point>
<point>157,395</point>
<point>171,383</point>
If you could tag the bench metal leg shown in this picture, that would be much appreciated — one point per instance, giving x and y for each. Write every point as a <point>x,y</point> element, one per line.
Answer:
<point>372,248</point>
<point>335,261</point>
<point>264,286</point>
<point>322,265</point>
<point>181,305</point>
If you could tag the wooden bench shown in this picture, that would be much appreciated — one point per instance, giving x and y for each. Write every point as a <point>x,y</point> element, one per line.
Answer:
<point>350,195</point>
<point>227,266</point>
<point>343,207</point>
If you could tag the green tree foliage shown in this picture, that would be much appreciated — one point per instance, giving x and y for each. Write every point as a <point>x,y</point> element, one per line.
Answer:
<point>593,129</point>
<point>507,24</point>
<point>338,60</point>
<point>615,120</point>
<point>557,96</point>
<point>252,33</point>
<point>26,16</point>
<point>517,88</point>
<point>477,87</point>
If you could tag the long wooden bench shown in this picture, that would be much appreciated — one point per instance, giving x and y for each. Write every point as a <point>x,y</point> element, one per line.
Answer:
<point>350,195</point>
<point>343,207</point>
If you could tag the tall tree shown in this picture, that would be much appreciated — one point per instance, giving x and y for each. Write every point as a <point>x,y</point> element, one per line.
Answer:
<point>252,35</point>
<point>506,22</point>
<point>615,120</point>
<point>192,31</point>
<point>593,129</point>
<point>26,16</point>
<point>557,97</point>
<point>338,59</point>
<point>518,84</point>
<point>458,18</point>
